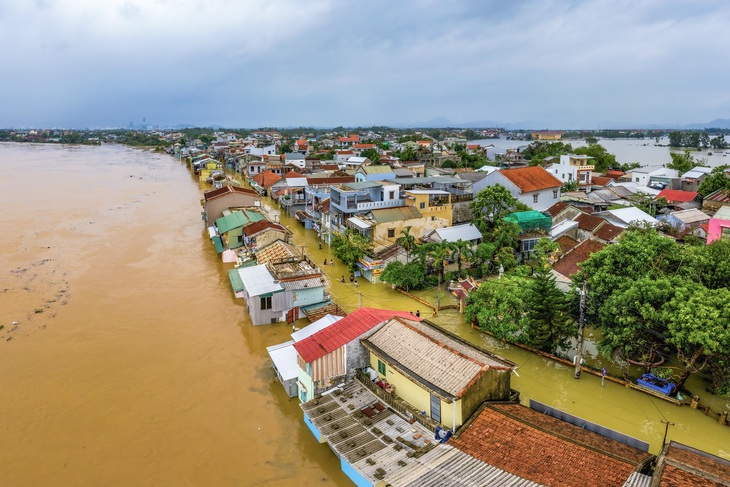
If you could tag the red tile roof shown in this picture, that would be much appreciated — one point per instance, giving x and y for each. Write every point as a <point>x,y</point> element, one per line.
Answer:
<point>681,465</point>
<point>262,225</point>
<point>566,243</point>
<point>344,331</point>
<point>325,206</point>
<point>266,179</point>
<point>363,146</point>
<point>533,178</point>
<point>331,180</point>
<point>345,152</point>
<point>608,232</point>
<point>350,138</point>
<point>614,174</point>
<point>588,222</point>
<point>569,262</point>
<point>676,195</point>
<point>557,208</point>
<point>293,174</point>
<point>329,167</point>
<point>546,450</point>
<point>600,180</point>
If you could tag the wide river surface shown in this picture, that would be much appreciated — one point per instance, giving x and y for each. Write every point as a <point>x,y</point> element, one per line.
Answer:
<point>126,360</point>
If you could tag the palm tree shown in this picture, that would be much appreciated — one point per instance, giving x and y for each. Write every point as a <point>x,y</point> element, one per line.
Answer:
<point>460,250</point>
<point>406,241</point>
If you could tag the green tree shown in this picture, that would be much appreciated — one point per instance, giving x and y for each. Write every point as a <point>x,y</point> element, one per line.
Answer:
<point>371,154</point>
<point>698,322</point>
<point>408,276</point>
<point>547,324</point>
<point>717,179</point>
<point>406,241</point>
<point>407,154</point>
<point>350,248</point>
<point>492,204</point>
<point>630,320</point>
<point>684,162</point>
<point>602,159</point>
<point>498,306</point>
<point>675,139</point>
<point>461,252</point>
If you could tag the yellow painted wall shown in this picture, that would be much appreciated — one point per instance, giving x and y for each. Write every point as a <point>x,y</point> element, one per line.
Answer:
<point>444,212</point>
<point>415,395</point>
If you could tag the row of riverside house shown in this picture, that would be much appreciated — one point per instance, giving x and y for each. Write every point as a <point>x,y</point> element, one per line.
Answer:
<point>397,399</point>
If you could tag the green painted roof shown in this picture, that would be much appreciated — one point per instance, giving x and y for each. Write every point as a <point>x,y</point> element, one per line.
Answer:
<point>237,219</point>
<point>236,282</point>
<point>395,214</point>
<point>227,223</point>
<point>218,244</point>
<point>530,220</point>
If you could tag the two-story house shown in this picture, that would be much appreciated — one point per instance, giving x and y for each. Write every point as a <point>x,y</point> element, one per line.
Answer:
<point>348,200</point>
<point>217,200</point>
<point>573,168</point>
<point>276,291</point>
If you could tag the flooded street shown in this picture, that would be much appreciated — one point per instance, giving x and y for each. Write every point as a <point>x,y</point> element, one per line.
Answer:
<point>131,362</point>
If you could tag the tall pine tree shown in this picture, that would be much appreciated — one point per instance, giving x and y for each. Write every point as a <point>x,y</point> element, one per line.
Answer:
<point>548,323</point>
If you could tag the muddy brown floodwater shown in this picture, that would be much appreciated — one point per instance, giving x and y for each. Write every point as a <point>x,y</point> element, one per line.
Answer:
<point>130,363</point>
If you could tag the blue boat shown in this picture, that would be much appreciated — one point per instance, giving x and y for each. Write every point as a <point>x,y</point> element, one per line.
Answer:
<point>656,384</point>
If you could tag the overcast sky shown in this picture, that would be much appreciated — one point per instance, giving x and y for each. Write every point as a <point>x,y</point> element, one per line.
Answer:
<point>251,63</point>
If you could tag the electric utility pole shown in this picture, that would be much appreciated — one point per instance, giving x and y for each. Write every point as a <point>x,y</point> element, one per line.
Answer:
<point>581,325</point>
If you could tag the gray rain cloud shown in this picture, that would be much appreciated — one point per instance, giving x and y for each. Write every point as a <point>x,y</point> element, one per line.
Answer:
<point>84,63</point>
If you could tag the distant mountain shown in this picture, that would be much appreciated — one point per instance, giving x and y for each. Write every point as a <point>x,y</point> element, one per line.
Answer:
<point>718,123</point>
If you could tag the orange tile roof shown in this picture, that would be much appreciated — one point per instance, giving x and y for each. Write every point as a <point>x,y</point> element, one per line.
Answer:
<point>566,243</point>
<point>681,465</point>
<point>329,167</point>
<point>569,263</point>
<point>293,174</point>
<point>363,146</point>
<point>600,180</point>
<point>266,179</point>
<point>608,232</point>
<point>533,178</point>
<point>557,208</point>
<point>588,222</point>
<point>261,225</point>
<point>344,331</point>
<point>546,450</point>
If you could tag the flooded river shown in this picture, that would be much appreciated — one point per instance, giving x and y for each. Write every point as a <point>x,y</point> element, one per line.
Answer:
<point>131,363</point>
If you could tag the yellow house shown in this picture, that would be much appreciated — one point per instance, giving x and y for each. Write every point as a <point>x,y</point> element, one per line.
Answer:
<point>432,204</point>
<point>384,226</point>
<point>547,135</point>
<point>442,375</point>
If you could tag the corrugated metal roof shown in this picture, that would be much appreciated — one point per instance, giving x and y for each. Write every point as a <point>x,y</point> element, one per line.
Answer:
<point>398,213</point>
<point>285,359</point>
<point>343,332</point>
<point>384,169</point>
<point>432,356</point>
<point>257,280</point>
<point>308,283</point>
<point>465,232</point>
